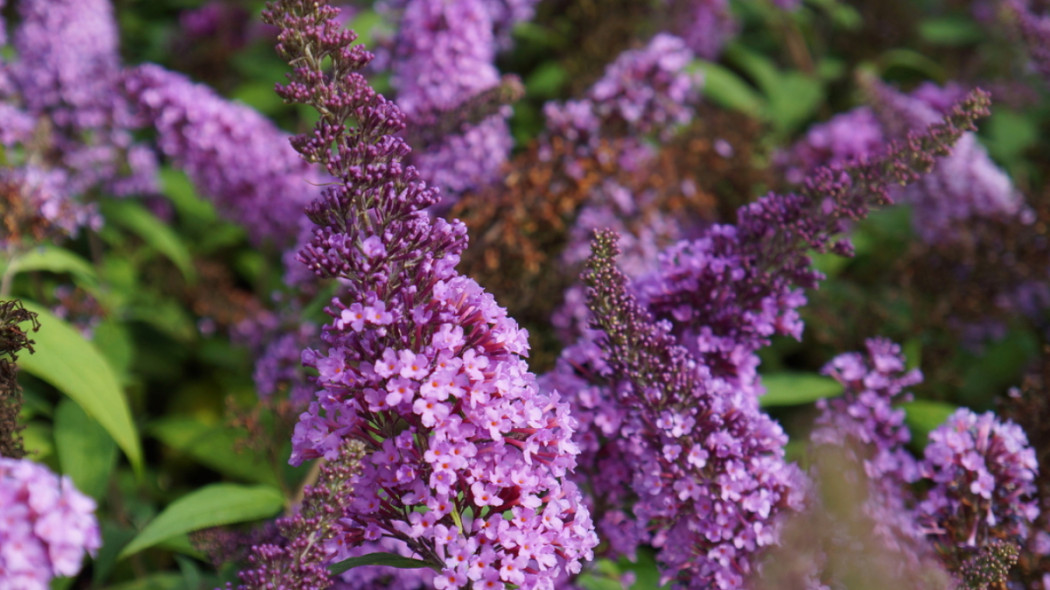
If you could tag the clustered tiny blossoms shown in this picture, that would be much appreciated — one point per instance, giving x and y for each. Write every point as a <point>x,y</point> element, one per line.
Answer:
<point>46,525</point>
<point>705,466</point>
<point>308,535</point>
<point>443,56</point>
<point>692,333</point>
<point>874,383</point>
<point>869,432</point>
<point>964,186</point>
<point>64,124</point>
<point>983,474</point>
<point>233,154</point>
<point>981,470</point>
<point>420,363</point>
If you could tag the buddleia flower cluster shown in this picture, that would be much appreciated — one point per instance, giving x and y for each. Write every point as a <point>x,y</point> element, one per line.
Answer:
<point>978,497</point>
<point>66,127</point>
<point>704,466</point>
<point>983,475</point>
<point>874,384</point>
<point>964,186</point>
<point>466,459</point>
<point>687,335</point>
<point>46,525</point>
<point>442,57</point>
<point>234,155</point>
<point>866,428</point>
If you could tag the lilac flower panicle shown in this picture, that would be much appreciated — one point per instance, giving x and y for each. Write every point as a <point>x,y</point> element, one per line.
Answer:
<point>420,364</point>
<point>983,474</point>
<point>46,525</point>
<point>444,55</point>
<point>67,59</point>
<point>644,92</point>
<point>235,155</point>
<point>68,71</point>
<point>965,184</point>
<point>707,26</point>
<point>688,451</point>
<point>869,432</point>
<point>845,138</point>
<point>297,559</point>
<point>711,303</point>
<point>873,384</point>
<point>1035,32</point>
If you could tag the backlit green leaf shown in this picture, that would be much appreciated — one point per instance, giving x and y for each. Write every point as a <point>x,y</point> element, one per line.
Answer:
<point>75,367</point>
<point>792,389</point>
<point>214,505</point>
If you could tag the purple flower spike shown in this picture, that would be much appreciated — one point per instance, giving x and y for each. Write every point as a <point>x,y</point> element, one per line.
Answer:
<point>983,474</point>
<point>873,384</point>
<point>236,156</point>
<point>443,56</point>
<point>46,525</point>
<point>1035,30</point>
<point>467,460</point>
<point>68,71</point>
<point>705,466</point>
<point>964,184</point>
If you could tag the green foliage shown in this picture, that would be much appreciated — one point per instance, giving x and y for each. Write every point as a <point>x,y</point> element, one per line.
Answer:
<point>386,559</point>
<point>66,360</point>
<point>85,451</point>
<point>154,232</point>
<point>210,506</point>
<point>215,447</point>
<point>792,389</point>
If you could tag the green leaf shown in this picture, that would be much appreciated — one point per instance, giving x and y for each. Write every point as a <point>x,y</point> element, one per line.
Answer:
<point>259,96</point>
<point>38,439</point>
<point>727,89</point>
<point>912,349</point>
<point>759,67</point>
<point>951,31</point>
<point>112,339</point>
<point>387,559</point>
<point>159,581</point>
<point>913,61</point>
<point>55,259</point>
<point>75,367</point>
<point>215,447</point>
<point>795,99</point>
<point>214,505</point>
<point>153,231</point>
<point>546,81</point>
<point>189,205</point>
<point>86,452</point>
<point>1009,134</point>
<point>792,389</point>
<point>923,415</point>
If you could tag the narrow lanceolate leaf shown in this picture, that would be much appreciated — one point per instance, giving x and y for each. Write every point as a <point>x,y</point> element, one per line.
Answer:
<point>214,505</point>
<point>387,559</point>
<point>214,446</point>
<point>55,259</point>
<point>792,389</point>
<point>153,231</point>
<point>66,360</point>
<point>85,450</point>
